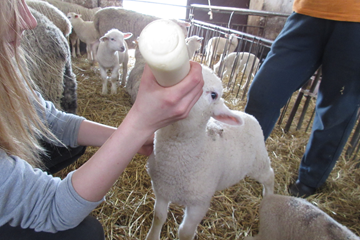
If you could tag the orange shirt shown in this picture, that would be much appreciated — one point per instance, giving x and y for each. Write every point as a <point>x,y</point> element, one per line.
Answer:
<point>340,10</point>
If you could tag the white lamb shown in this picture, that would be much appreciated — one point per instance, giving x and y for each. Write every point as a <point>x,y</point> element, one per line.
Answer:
<point>219,45</point>
<point>87,14</point>
<point>86,32</point>
<point>112,52</point>
<point>284,218</point>
<point>193,44</point>
<point>247,63</point>
<point>195,157</point>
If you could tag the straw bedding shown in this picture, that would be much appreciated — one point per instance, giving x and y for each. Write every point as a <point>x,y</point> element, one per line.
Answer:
<point>233,214</point>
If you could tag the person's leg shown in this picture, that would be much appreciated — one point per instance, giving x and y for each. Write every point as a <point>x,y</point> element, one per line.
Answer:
<point>89,229</point>
<point>295,55</point>
<point>337,103</point>
<point>58,158</point>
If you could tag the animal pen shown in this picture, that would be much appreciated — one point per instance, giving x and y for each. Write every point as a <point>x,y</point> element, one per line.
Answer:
<point>233,213</point>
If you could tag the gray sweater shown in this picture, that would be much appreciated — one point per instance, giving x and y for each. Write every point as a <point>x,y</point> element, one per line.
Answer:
<point>31,198</point>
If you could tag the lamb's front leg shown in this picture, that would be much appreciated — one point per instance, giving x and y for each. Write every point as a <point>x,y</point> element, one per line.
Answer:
<point>192,218</point>
<point>160,214</point>
<point>104,78</point>
<point>114,79</point>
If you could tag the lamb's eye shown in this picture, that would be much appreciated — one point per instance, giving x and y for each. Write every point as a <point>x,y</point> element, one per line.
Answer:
<point>112,39</point>
<point>214,95</point>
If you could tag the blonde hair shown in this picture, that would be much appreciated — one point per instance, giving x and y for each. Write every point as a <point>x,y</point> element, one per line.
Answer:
<point>20,125</point>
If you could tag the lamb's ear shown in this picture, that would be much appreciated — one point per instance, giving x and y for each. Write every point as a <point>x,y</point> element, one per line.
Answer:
<point>183,23</point>
<point>127,35</point>
<point>103,39</point>
<point>223,114</point>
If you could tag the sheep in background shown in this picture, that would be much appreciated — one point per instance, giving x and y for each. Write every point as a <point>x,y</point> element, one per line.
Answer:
<point>193,44</point>
<point>86,32</point>
<point>53,14</point>
<point>247,63</point>
<point>133,81</point>
<point>122,19</point>
<point>86,14</point>
<point>112,52</point>
<point>216,46</point>
<point>284,218</point>
<point>212,149</point>
<point>49,62</point>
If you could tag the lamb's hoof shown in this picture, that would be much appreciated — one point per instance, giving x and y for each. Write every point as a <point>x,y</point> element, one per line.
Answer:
<point>299,189</point>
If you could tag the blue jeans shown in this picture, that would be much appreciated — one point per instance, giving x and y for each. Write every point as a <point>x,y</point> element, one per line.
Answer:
<point>304,44</point>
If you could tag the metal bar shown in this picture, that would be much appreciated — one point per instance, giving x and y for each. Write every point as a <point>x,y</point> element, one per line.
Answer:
<point>243,11</point>
<point>168,4</point>
<point>283,113</point>
<point>308,98</point>
<point>311,118</point>
<point>295,108</point>
<point>227,30</point>
<point>354,141</point>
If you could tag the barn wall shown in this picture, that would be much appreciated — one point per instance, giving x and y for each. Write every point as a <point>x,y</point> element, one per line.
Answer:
<point>273,24</point>
<point>220,18</point>
<point>96,3</point>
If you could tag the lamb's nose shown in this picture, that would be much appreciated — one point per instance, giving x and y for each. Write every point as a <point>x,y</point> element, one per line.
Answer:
<point>122,49</point>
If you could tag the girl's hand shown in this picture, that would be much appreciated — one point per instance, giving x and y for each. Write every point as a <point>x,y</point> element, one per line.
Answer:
<point>158,106</point>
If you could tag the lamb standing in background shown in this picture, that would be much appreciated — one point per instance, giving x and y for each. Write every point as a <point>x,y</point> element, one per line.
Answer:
<point>195,157</point>
<point>53,14</point>
<point>247,63</point>
<point>86,14</point>
<point>86,32</point>
<point>49,62</point>
<point>216,46</point>
<point>112,52</point>
<point>193,44</point>
<point>122,19</point>
<point>284,218</point>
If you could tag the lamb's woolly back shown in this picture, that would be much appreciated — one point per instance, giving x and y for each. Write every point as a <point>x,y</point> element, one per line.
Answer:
<point>54,14</point>
<point>49,62</point>
<point>86,13</point>
<point>285,217</point>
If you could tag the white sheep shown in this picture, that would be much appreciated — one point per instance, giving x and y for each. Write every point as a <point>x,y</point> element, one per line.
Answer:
<point>86,14</point>
<point>122,19</point>
<point>284,218</point>
<point>86,32</point>
<point>212,149</point>
<point>54,14</point>
<point>218,45</point>
<point>113,51</point>
<point>193,44</point>
<point>247,63</point>
<point>49,62</point>
<point>133,81</point>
